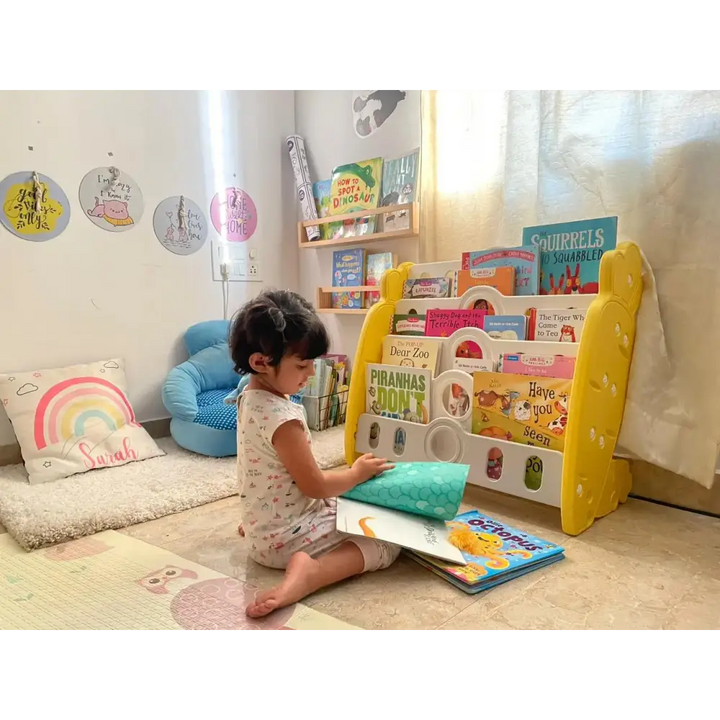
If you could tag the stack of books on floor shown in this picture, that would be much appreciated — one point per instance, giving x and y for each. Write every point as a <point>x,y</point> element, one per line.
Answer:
<point>415,505</point>
<point>494,553</point>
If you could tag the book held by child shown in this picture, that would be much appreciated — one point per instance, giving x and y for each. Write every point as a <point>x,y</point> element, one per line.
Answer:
<point>407,506</point>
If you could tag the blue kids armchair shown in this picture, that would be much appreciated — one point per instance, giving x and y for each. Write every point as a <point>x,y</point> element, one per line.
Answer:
<point>195,391</point>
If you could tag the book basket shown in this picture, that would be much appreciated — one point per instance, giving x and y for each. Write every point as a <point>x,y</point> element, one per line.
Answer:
<point>325,411</point>
<point>584,480</point>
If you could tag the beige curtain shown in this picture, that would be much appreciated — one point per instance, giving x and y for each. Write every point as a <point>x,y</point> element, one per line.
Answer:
<point>494,162</point>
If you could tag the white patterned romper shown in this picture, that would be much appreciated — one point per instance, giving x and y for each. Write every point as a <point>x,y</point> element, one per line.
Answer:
<point>278,519</point>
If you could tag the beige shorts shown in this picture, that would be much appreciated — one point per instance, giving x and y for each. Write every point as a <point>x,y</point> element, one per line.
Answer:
<point>318,536</point>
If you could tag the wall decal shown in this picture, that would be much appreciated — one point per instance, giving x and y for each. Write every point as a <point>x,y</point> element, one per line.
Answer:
<point>180,225</point>
<point>33,206</point>
<point>111,199</point>
<point>372,108</point>
<point>233,214</point>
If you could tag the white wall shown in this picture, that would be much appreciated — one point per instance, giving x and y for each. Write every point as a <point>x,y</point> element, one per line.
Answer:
<point>324,119</point>
<point>90,294</point>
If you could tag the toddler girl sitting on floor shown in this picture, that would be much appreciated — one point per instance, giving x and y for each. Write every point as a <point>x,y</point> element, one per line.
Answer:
<point>287,503</point>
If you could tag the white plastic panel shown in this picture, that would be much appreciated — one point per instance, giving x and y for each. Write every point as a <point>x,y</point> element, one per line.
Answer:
<point>442,385</point>
<point>503,305</point>
<point>436,269</point>
<point>444,440</point>
<point>492,348</point>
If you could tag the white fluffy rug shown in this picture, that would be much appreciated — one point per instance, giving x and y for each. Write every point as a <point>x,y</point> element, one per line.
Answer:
<point>48,513</point>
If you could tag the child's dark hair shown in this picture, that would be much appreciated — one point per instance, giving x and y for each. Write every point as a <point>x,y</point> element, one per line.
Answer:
<point>276,323</point>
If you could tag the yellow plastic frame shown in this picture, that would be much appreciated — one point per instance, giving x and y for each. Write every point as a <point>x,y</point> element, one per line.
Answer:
<point>593,483</point>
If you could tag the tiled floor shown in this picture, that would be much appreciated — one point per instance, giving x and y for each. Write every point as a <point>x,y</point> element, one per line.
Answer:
<point>644,566</point>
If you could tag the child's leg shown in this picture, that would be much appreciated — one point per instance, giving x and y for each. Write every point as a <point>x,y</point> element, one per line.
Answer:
<point>306,575</point>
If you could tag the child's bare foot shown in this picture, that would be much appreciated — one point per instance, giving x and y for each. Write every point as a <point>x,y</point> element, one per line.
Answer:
<point>241,531</point>
<point>301,579</point>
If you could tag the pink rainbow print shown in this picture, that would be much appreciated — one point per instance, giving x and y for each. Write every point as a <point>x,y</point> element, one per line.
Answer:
<point>98,387</point>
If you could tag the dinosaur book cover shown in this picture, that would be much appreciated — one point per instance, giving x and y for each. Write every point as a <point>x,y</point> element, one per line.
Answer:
<point>355,187</point>
<point>521,408</point>
<point>402,393</point>
<point>493,552</point>
<point>571,253</point>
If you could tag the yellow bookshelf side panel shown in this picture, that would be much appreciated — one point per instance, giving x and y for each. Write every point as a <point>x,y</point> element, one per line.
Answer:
<point>369,349</point>
<point>593,483</point>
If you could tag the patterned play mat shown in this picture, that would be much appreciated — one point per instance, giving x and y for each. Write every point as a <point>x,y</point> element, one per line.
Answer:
<point>113,582</point>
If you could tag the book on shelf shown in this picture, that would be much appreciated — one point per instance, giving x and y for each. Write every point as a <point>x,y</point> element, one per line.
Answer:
<point>420,288</point>
<point>556,324</point>
<point>555,366</point>
<point>355,187</point>
<point>400,178</point>
<point>500,278</point>
<point>349,272</point>
<point>410,324</point>
<point>402,393</point>
<point>377,264</point>
<point>325,395</point>
<point>407,506</point>
<point>506,327</point>
<point>523,409</point>
<point>469,358</point>
<point>493,553</point>
<point>525,260</point>
<point>571,253</point>
<point>414,352</point>
<point>321,195</point>
<point>444,322</point>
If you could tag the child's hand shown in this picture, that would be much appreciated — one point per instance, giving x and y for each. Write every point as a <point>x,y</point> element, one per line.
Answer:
<point>368,466</point>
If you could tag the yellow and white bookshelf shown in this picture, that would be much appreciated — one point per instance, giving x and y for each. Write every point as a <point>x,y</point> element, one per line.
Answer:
<point>583,481</point>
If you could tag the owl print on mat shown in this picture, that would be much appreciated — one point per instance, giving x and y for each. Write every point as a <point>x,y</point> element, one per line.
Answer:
<point>217,604</point>
<point>157,581</point>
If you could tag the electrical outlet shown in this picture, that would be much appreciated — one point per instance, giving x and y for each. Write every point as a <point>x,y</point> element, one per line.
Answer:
<point>253,271</point>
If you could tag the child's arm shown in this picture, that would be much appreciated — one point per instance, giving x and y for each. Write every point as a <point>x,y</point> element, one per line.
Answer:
<point>292,448</point>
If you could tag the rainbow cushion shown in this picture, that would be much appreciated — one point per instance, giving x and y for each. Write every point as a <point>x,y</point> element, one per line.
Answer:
<point>71,420</point>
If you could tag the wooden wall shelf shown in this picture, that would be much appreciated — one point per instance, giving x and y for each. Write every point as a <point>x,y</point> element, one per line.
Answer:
<point>323,300</point>
<point>412,232</point>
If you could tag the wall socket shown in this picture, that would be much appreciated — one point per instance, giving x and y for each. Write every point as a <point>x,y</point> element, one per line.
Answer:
<point>241,262</point>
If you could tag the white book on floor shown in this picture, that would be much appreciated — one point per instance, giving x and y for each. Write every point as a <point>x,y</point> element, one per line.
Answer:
<point>414,532</point>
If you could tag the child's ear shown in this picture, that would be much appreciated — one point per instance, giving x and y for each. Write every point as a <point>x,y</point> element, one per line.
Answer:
<point>259,363</point>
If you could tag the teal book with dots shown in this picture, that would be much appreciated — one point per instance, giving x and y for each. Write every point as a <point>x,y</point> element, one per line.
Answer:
<point>408,506</point>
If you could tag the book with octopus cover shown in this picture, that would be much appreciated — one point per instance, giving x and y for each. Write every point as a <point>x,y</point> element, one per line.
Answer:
<point>493,553</point>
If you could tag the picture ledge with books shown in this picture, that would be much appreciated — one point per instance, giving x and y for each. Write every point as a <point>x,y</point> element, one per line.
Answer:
<point>362,202</point>
<point>365,201</point>
<point>510,361</point>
